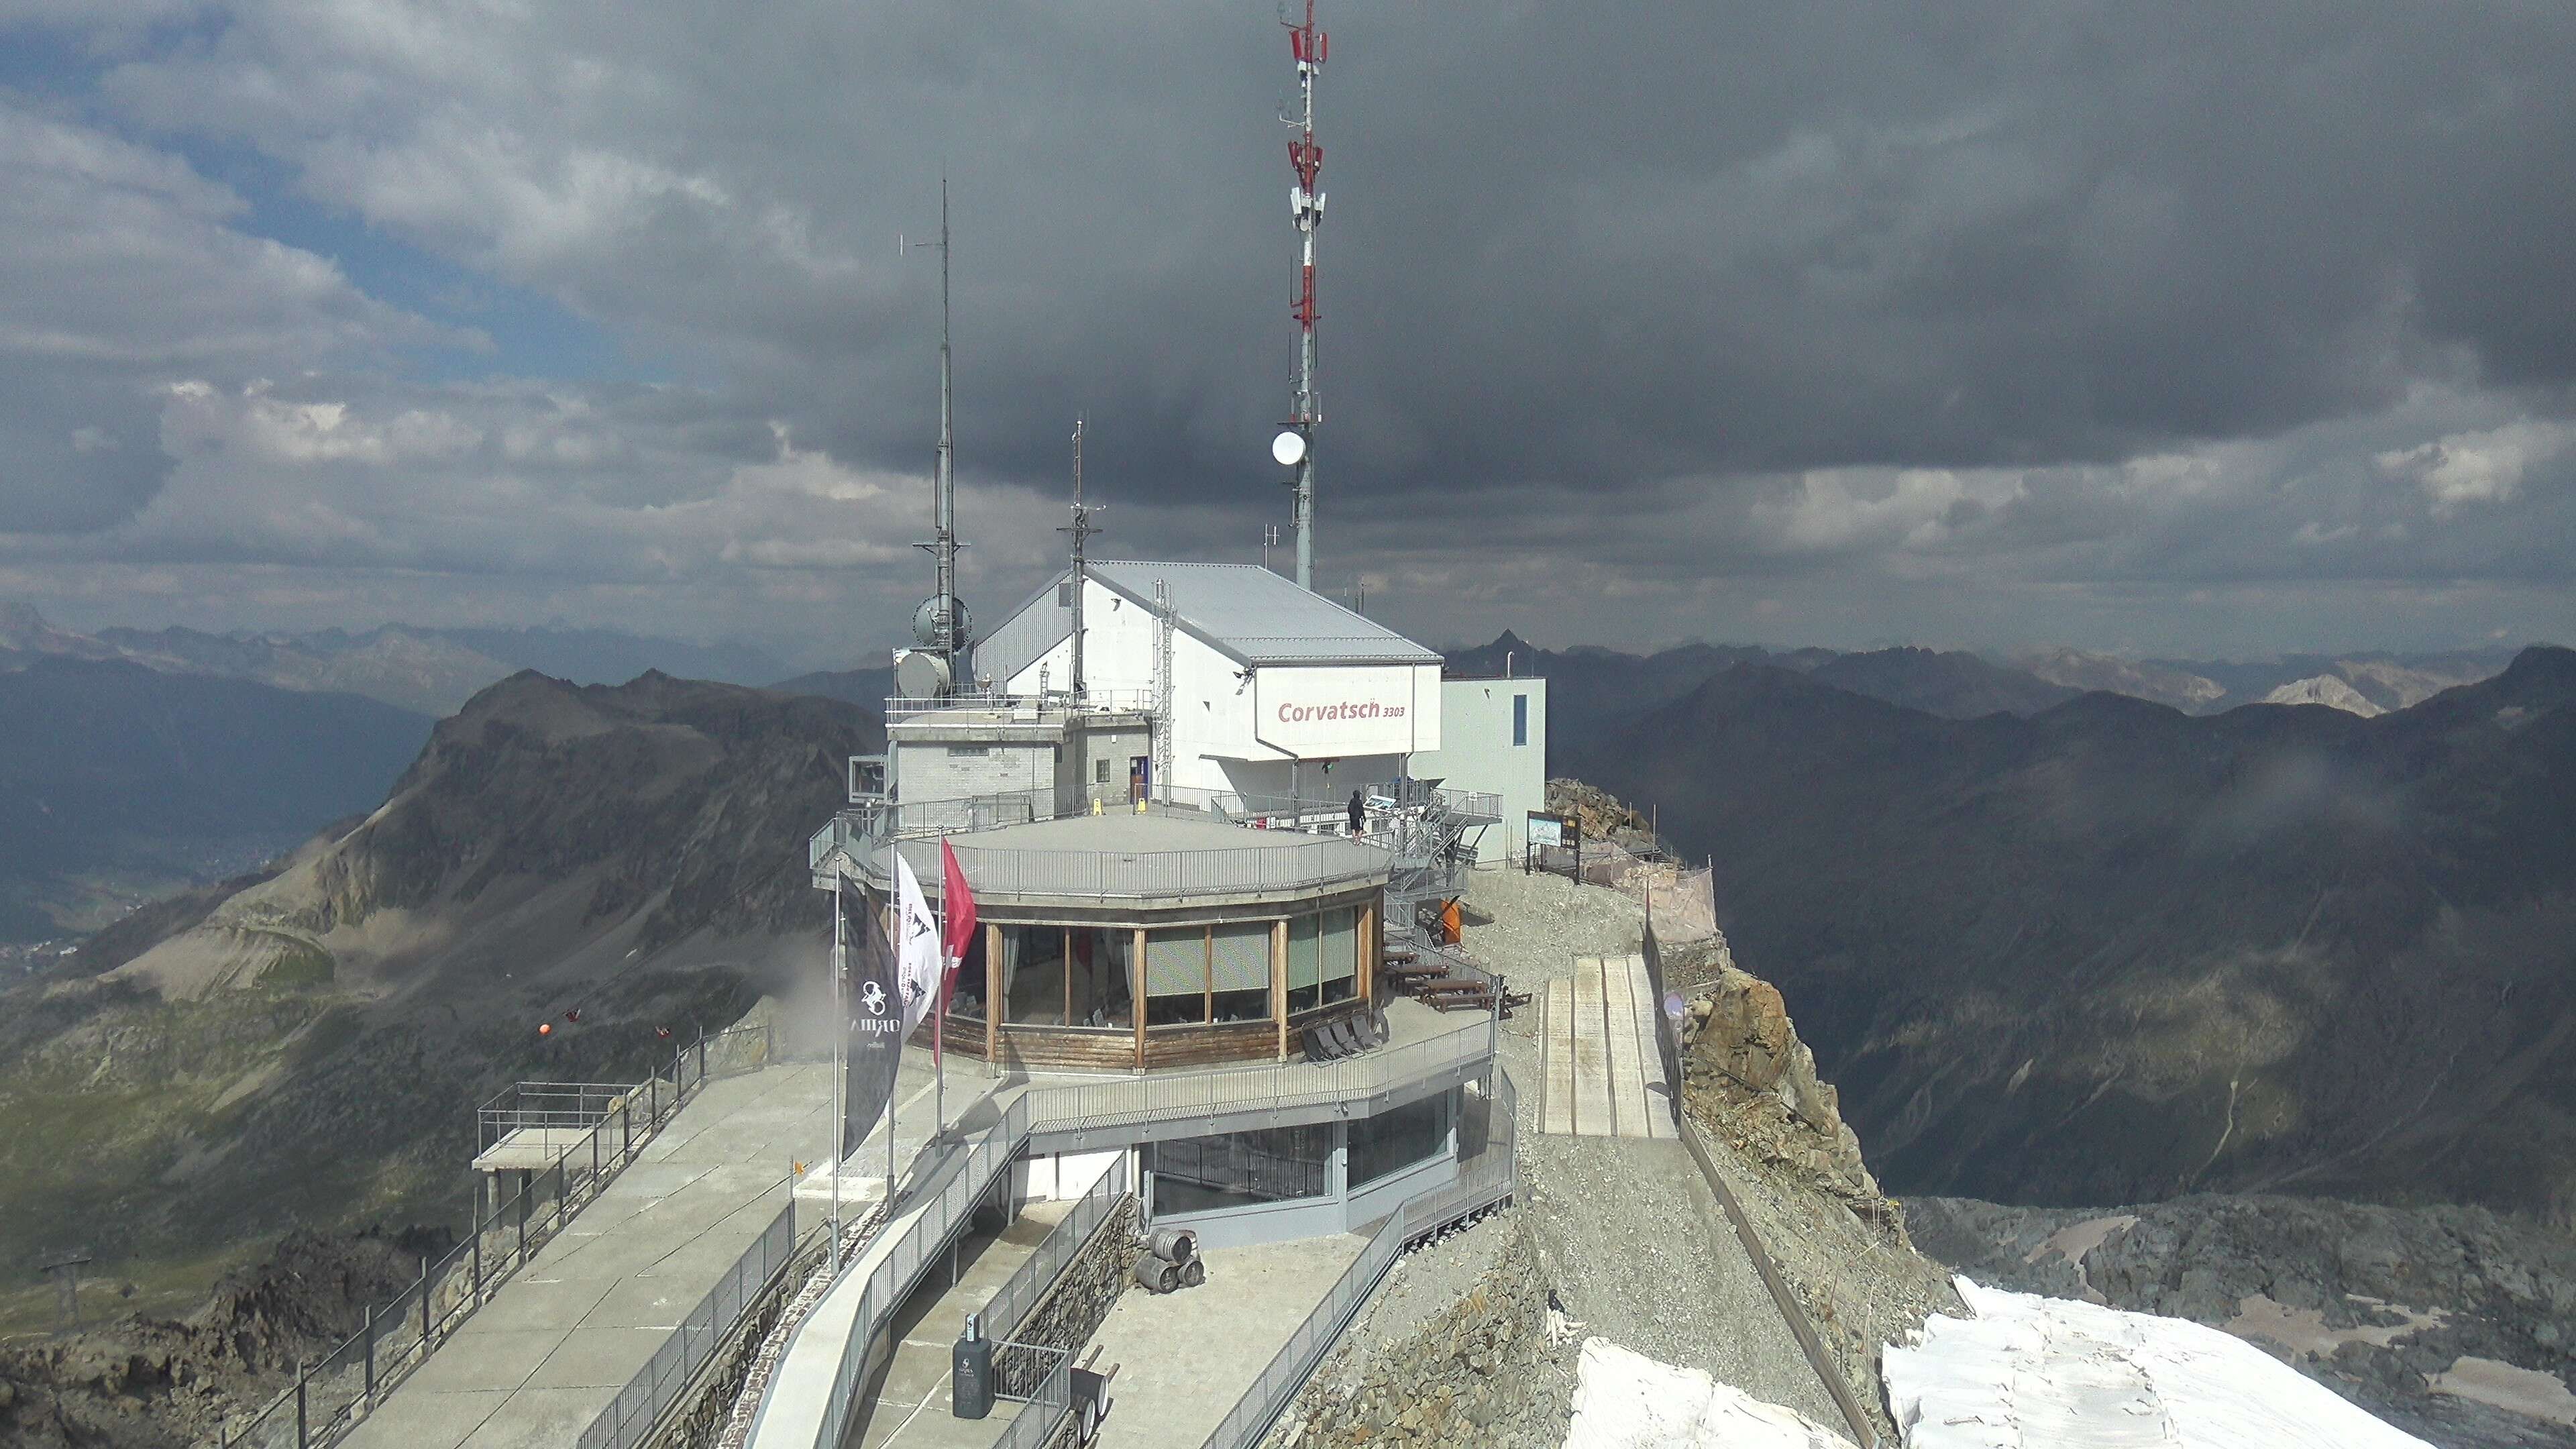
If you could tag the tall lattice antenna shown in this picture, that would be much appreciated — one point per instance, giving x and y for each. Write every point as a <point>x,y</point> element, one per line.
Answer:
<point>1082,528</point>
<point>1294,447</point>
<point>941,625</point>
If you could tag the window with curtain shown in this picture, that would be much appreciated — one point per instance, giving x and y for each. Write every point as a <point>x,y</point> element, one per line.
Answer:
<point>1239,970</point>
<point>1102,976</point>
<point>1033,975</point>
<point>968,1000</point>
<point>1176,976</point>
<point>1340,932</point>
<point>1305,961</point>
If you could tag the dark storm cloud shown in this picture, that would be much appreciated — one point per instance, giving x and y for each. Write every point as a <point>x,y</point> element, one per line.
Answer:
<point>1873,292</point>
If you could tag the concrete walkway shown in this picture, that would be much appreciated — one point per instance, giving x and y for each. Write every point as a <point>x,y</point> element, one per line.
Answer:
<point>910,1405</point>
<point>559,1340</point>
<point>1184,1359</point>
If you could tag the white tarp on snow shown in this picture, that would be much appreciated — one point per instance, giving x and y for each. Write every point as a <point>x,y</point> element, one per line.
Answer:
<point>2030,1371</point>
<point>1629,1401</point>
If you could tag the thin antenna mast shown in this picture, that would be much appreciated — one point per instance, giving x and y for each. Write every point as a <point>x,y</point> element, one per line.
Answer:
<point>941,625</point>
<point>1306,203</point>
<point>1081,528</point>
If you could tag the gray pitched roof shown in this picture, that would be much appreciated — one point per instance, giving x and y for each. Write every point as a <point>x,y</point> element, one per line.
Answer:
<point>1244,610</point>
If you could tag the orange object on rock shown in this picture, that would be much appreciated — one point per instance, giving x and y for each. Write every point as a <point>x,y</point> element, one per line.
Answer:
<point>1451,927</point>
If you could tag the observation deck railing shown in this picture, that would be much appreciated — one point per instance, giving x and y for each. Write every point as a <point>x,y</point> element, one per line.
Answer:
<point>1195,1102</point>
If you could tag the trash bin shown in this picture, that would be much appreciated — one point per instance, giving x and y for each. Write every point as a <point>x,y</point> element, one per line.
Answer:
<point>970,1372</point>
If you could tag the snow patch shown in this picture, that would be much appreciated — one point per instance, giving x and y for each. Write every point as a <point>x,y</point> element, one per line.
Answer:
<point>1629,1401</point>
<point>2028,1370</point>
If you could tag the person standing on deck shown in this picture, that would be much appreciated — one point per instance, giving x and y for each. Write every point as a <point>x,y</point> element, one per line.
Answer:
<point>1359,813</point>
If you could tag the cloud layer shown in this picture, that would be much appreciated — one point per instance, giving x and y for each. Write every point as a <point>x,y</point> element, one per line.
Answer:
<point>2174,328</point>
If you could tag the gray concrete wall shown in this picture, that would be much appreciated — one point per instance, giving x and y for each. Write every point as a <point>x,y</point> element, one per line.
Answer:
<point>1476,753</point>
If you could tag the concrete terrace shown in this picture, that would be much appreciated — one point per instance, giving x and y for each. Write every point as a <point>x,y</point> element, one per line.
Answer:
<point>1184,1359</point>
<point>555,1345</point>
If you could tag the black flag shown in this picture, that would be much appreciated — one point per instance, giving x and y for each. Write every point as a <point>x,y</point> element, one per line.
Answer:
<point>875,1022</point>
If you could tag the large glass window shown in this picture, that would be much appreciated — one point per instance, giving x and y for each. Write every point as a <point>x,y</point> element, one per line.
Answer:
<point>1239,1169</point>
<point>1176,976</point>
<point>1340,930</point>
<point>1102,977</point>
<point>1304,964</point>
<point>968,999</point>
<point>1239,970</point>
<point>1415,1132</point>
<point>1033,975</point>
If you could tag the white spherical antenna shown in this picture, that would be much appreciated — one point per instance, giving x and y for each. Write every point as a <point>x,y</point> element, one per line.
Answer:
<point>1289,447</point>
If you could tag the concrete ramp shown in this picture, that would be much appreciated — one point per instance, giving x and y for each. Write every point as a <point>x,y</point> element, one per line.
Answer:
<point>1603,1074</point>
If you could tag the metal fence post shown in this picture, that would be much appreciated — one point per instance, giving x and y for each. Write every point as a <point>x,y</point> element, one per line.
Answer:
<point>424,1305</point>
<point>478,1260</point>
<point>302,1436</point>
<point>523,1226</point>
<point>626,1127</point>
<point>370,1331</point>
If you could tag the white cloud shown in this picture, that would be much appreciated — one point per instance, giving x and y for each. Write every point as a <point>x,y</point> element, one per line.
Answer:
<point>2479,467</point>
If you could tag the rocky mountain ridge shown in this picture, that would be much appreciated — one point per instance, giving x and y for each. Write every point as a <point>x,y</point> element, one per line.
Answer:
<point>2113,953</point>
<point>303,1051</point>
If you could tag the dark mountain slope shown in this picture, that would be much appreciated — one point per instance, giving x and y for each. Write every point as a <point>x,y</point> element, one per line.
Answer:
<point>2112,952</point>
<point>867,688</point>
<point>110,766</point>
<point>1955,684</point>
<point>306,1052</point>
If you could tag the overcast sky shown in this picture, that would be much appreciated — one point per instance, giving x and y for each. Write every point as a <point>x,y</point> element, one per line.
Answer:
<point>2187,328</point>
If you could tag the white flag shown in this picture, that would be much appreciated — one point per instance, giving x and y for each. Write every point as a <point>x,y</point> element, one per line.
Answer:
<point>916,945</point>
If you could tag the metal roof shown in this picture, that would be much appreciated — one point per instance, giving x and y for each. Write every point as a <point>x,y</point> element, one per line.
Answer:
<point>1244,610</point>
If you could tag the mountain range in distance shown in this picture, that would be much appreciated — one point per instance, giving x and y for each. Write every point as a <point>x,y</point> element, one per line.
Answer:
<point>2110,952</point>
<point>424,670</point>
<point>1963,684</point>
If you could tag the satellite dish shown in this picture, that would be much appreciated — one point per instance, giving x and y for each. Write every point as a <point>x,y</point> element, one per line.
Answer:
<point>1289,447</point>
<point>920,676</point>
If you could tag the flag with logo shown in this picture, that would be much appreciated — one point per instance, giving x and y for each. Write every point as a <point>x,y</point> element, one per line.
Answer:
<point>917,945</point>
<point>872,1014</point>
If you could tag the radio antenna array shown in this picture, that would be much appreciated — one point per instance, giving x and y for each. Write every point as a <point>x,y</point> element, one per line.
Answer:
<point>1082,528</point>
<point>1294,447</point>
<point>941,626</point>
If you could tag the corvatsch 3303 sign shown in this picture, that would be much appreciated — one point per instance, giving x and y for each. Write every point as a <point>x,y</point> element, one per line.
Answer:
<point>1340,712</point>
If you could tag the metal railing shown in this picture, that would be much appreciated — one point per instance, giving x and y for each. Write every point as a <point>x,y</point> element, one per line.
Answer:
<point>1017,1370</point>
<point>631,1416</point>
<point>332,1392</point>
<point>1044,1412</point>
<point>1493,1178</point>
<point>962,1181</point>
<point>1320,815</point>
<point>1127,701</point>
<point>1195,1098</point>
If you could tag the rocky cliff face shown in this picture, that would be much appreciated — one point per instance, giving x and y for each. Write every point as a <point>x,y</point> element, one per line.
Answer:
<point>1749,1075</point>
<point>307,1050</point>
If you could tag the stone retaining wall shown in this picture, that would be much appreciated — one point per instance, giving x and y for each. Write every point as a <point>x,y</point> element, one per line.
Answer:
<point>1480,1372</point>
<point>1072,1310</point>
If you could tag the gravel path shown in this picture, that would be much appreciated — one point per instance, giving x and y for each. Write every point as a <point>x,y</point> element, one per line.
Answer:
<point>1643,1256</point>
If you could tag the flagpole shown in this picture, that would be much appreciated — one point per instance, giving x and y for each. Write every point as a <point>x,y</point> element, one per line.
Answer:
<point>894,898</point>
<point>939,1006</point>
<point>840,1070</point>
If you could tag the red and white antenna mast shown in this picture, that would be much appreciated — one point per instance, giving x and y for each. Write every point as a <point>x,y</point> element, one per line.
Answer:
<point>1294,445</point>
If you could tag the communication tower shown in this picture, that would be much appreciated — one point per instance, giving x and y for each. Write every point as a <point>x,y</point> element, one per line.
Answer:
<point>1293,448</point>
<point>943,664</point>
<point>1082,528</point>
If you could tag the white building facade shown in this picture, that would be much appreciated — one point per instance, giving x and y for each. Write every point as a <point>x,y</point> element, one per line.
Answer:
<point>1493,740</point>
<point>1267,689</point>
